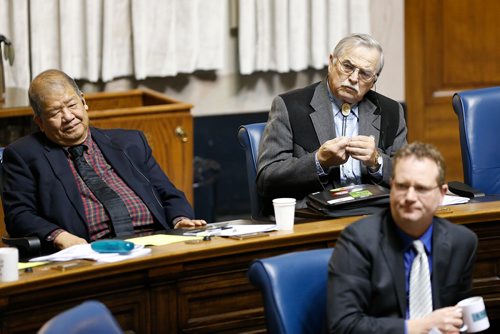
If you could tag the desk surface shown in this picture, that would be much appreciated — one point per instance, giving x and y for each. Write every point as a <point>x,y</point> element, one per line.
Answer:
<point>180,252</point>
<point>182,271</point>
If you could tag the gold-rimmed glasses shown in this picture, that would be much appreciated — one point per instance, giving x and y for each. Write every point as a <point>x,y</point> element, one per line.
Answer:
<point>348,68</point>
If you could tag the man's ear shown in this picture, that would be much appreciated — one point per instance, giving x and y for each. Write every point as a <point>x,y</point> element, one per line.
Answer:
<point>39,122</point>
<point>83,101</point>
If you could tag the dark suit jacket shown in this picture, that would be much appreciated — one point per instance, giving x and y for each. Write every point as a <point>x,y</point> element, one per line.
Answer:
<point>40,193</point>
<point>286,166</point>
<point>366,287</point>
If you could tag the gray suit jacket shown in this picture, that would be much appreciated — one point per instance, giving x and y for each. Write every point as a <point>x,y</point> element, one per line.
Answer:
<point>286,166</point>
<point>366,287</point>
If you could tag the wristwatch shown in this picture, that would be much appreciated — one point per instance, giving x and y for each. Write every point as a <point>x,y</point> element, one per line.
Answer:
<point>375,168</point>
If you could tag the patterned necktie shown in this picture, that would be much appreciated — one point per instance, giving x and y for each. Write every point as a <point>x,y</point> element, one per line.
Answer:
<point>420,284</point>
<point>112,203</point>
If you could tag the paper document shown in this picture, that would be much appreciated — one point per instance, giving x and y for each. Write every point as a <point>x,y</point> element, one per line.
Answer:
<point>160,239</point>
<point>231,230</point>
<point>86,252</point>
<point>24,265</point>
<point>454,199</point>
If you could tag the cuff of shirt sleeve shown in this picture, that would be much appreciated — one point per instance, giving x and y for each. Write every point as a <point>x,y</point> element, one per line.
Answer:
<point>378,173</point>
<point>177,219</point>
<point>53,235</point>
<point>319,169</point>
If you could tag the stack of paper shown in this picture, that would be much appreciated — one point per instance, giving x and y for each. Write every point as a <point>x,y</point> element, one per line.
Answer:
<point>86,252</point>
<point>454,199</point>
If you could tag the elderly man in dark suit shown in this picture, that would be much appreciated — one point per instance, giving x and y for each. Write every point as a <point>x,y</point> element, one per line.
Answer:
<point>335,132</point>
<point>403,271</point>
<point>46,194</point>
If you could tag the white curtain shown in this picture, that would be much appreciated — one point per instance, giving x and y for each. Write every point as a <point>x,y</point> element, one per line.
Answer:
<point>292,35</point>
<point>106,39</point>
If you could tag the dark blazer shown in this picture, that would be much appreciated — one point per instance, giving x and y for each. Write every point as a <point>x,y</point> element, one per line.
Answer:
<point>366,287</point>
<point>40,193</point>
<point>286,166</point>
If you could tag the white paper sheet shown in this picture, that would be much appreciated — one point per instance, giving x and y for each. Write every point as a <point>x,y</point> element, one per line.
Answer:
<point>231,230</point>
<point>86,252</point>
<point>454,199</point>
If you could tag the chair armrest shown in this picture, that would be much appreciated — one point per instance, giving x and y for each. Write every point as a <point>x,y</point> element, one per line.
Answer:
<point>27,246</point>
<point>464,190</point>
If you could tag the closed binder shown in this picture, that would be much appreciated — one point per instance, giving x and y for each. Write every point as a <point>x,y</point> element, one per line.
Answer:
<point>352,200</point>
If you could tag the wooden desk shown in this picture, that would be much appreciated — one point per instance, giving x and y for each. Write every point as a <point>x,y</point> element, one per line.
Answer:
<point>203,287</point>
<point>167,124</point>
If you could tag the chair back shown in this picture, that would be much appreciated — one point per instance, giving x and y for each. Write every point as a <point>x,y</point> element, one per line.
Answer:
<point>249,137</point>
<point>90,317</point>
<point>478,114</point>
<point>294,289</point>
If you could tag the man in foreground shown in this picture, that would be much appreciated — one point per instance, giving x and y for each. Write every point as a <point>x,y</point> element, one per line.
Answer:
<point>71,184</point>
<point>403,270</point>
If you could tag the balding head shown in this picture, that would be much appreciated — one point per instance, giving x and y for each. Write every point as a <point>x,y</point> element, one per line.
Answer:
<point>44,82</point>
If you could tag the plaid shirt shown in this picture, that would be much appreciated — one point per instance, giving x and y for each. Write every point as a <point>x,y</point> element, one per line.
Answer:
<point>97,218</point>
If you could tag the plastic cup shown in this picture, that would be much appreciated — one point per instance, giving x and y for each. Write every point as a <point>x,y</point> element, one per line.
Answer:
<point>284,212</point>
<point>9,258</point>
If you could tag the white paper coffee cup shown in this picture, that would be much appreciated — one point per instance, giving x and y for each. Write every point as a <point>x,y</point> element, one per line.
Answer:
<point>474,314</point>
<point>284,213</point>
<point>9,258</point>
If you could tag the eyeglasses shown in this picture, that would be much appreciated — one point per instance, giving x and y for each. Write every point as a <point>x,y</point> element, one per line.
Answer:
<point>420,190</point>
<point>348,68</point>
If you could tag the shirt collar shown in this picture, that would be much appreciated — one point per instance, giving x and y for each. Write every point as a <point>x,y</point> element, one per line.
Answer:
<point>426,239</point>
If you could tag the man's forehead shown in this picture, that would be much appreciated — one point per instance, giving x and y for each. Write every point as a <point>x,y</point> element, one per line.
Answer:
<point>405,169</point>
<point>361,55</point>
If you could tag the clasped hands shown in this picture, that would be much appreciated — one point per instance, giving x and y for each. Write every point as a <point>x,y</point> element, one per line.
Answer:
<point>337,151</point>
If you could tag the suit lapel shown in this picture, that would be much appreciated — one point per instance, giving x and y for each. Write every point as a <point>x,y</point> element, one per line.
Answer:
<point>441,255</point>
<point>322,116</point>
<point>391,248</point>
<point>124,167</point>
<point>115,157</point>
<point>59,164</point>
<point>369,119</point>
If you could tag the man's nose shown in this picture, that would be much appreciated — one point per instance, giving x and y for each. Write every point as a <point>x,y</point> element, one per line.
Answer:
<point>354,77</point>
<point>411,194</point>
<point>67,114</point>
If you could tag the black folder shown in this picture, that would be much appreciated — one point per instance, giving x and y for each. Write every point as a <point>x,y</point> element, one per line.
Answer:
<point>352,200</point>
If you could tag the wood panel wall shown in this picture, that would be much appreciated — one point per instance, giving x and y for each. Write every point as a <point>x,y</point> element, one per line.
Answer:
<point>450,46</point>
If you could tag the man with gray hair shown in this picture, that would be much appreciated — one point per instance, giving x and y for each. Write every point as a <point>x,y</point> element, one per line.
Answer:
<point>332,133</point>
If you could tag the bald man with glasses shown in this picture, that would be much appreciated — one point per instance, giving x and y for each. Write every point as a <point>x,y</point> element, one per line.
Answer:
<point>333,133</point>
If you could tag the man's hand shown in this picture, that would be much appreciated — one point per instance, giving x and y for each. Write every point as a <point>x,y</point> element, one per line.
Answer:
<point>363,148</point>
<point>333,152</point>
<point>185,222</point>
<point>66,239</point>
<point>448,320</point>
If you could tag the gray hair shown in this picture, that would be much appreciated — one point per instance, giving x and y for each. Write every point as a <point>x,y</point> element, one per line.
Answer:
<point>48,78</point>
<point>354,40</point>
